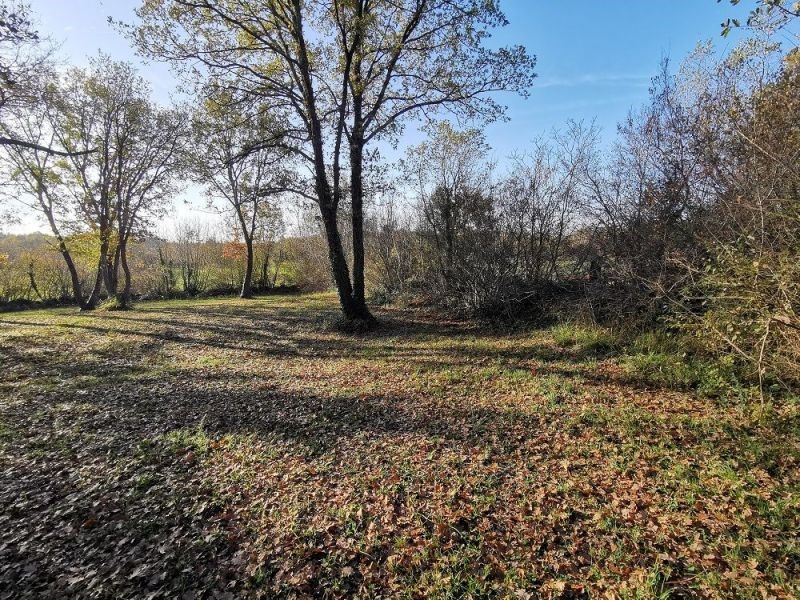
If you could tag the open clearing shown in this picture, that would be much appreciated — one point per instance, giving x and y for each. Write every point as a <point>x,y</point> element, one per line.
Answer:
<point>227,448</point>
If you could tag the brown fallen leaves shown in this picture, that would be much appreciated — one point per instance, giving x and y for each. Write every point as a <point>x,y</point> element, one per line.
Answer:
<point>225,449</point>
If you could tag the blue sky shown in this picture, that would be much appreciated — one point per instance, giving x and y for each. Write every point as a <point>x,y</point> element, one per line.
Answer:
<point>595,57</point>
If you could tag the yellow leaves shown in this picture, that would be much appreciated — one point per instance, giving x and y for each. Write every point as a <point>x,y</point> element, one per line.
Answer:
<point>273,68</point>
<point>246,41</point>
<point>152,5</point>
<point>792,60</point>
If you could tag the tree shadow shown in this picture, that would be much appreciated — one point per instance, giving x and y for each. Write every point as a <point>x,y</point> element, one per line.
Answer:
<point>82,458</point>
<point>403,338</point>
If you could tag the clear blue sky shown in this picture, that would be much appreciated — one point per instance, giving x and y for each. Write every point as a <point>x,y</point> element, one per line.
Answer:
<point>595,57</point>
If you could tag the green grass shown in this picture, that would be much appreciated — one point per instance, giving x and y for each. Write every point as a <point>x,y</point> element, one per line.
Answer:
<point>271,455</point>
<point>584,338</point>
<point>672,362</point>
<point>189,440</point>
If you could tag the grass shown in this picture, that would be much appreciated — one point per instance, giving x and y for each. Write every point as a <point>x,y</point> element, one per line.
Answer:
<point>248,447</point>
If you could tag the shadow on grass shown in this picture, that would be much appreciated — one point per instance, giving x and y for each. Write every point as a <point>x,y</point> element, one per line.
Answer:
<point>403,338</point>
<point>86,471</point>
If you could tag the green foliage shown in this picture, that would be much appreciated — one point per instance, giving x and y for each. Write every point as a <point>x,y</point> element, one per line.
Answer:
<point>592,339</point>
<point>744,317</point>
<point>113,304</point>
<point>671,361</point>
<point>747,296</point>
<point>679,371</point>
<point>195,439</point>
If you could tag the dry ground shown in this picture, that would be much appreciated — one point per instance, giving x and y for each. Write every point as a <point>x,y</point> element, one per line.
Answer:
<point>225,448</point>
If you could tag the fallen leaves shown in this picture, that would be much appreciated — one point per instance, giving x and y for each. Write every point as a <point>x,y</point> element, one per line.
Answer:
<point>227,449</point>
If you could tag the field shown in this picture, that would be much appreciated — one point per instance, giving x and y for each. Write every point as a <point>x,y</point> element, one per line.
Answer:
<point>228,448</point>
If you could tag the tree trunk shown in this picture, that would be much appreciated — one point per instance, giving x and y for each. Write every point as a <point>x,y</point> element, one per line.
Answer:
<point>111,272</point>
<point>264,280</point>
<point>278,262</point>
<point>32,277</point>
<point>357,199</point>
<point>124,297</point>
<point>247,284</point>
<point>77,289</point>
<point>327,198</point>
<point>357,174</point>
<point>94,298</point>
<point>339,269</point>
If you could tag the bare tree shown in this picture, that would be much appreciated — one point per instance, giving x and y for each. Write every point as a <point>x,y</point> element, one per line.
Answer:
<point>395,249</point>
<point>543,196</point>
<point>191,256</point>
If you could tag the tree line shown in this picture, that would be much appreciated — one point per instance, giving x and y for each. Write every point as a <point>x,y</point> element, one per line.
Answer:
<point>315,83</point>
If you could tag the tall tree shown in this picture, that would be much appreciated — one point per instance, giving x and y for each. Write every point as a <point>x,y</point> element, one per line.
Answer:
<point>150,145</point>
<point>107,107</point>
<point>344,73</point>
<point>248,181</point>
<point>36,182</point>
<point>86,110</point>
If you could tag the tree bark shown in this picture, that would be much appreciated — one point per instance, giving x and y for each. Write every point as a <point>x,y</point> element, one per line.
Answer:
<point>6,141</point>
<point>356,84</point>
<point>77,289</point>
<point>264,280</point>
<point>111,273</point>
<point>326,197</point>
<point>339,269</point>
<point>357,200</point>
<point>32,278</point>
<point>247,284</point>
<point>112,282</point>
<point>124,297</point>
<point>94,298</point>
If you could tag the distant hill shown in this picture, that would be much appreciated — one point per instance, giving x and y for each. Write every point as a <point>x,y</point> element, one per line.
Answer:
<point>12,244</point>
